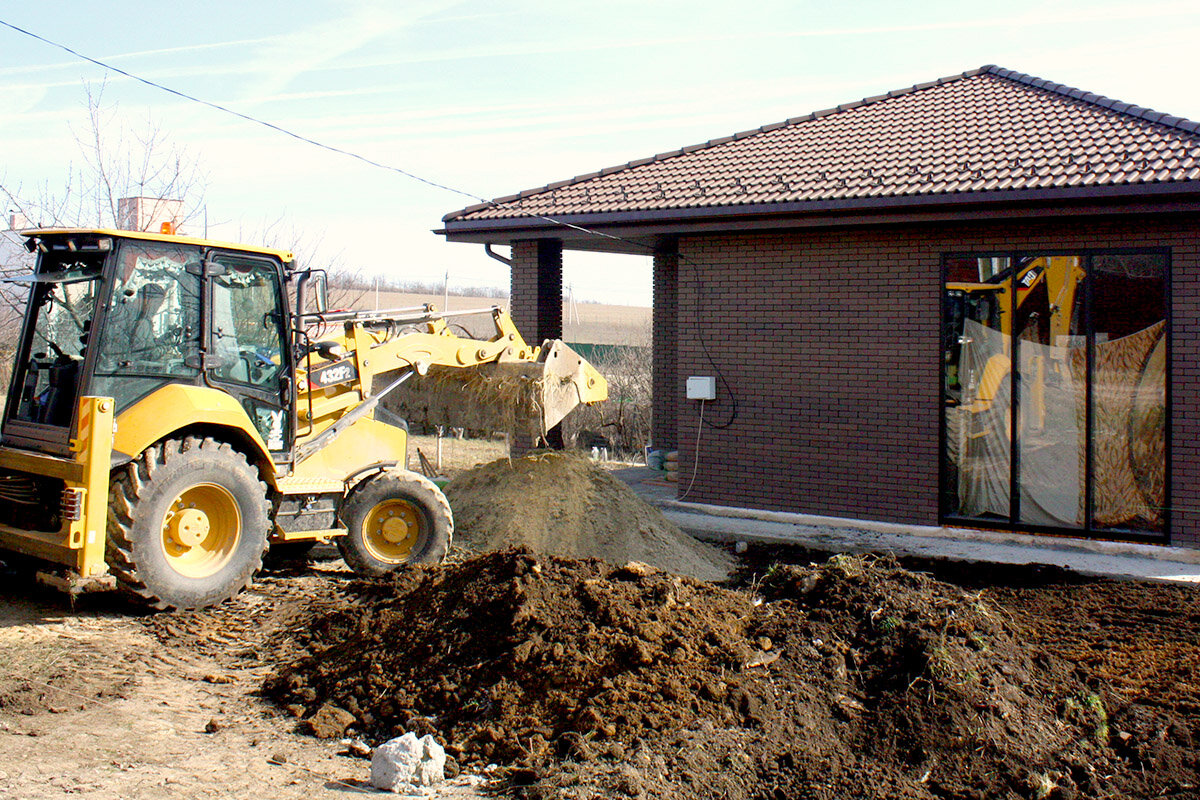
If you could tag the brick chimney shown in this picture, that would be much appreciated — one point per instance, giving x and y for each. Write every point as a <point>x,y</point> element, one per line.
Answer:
<point>147,213</point>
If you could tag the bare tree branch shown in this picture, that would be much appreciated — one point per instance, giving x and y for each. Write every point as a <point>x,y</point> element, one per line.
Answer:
<point>116,162</point>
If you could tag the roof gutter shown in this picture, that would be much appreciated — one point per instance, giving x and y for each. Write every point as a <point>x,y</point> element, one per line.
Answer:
<point>487,248</point>
<point>1073,201</point>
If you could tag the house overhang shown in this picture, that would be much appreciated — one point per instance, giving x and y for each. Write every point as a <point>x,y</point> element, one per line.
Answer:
<point>639,232</point>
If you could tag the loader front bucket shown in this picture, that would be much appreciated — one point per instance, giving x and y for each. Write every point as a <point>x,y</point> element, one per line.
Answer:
<point>514,396</point>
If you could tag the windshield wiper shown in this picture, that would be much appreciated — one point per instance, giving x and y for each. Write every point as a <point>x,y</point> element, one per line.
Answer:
<point>63,276</point>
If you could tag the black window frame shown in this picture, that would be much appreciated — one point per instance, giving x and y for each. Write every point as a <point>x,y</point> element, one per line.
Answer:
<point>1013,523</point>
<point>283,393</point>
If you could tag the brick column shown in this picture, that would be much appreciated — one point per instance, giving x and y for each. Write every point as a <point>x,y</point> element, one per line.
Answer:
<point>1184,382</point>
<point>536,306</point>
<point>664,351</point>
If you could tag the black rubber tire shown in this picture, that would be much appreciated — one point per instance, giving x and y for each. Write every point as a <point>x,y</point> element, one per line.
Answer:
<point>140,496</point>
<point>426,499</point>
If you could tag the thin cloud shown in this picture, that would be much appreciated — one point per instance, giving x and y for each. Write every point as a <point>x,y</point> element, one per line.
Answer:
<point>315,48</point>
<point>524,48</point>
<point>134,54</point>
<point>190,48</point>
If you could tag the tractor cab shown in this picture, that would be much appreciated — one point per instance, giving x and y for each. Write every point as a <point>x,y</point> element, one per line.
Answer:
<point>121,314</point>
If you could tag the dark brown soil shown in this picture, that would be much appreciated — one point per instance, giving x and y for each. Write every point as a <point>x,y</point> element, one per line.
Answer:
<point>1141,644</point>
<point>853,678</point>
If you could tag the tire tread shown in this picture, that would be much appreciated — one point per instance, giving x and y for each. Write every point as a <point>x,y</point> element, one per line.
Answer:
<point>127,491</point>
<point>357,558</point>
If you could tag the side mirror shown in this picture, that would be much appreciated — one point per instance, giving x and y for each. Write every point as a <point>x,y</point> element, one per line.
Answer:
<point>320,298</point>
<point>321,294</point>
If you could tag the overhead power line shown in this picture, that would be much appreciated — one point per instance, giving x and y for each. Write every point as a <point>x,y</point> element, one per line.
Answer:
<point>240,115</point>
<point>371,162</point>
<point>301,138</point>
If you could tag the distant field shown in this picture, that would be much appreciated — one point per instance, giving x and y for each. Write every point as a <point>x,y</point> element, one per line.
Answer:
<point>587,322</point>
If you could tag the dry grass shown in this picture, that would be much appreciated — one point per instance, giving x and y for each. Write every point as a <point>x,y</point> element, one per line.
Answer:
<point>458,455</point>
<point>596,324</point>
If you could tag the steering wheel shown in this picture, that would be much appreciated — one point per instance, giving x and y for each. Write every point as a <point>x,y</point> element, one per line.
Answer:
<point>256,363</point>
<point>43,361</point>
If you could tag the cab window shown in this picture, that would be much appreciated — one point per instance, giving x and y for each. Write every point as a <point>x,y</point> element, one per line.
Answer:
<point>247,322</point>
<point>151,325</point>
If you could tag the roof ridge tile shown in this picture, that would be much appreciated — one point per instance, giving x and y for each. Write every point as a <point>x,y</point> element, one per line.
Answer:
<point>1090,97</point>
<point>742,135</point>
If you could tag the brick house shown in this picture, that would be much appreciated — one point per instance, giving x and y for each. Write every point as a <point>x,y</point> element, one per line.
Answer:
<point>974,301</point>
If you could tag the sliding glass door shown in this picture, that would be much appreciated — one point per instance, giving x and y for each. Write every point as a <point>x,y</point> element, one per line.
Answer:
<point>1054,391</point>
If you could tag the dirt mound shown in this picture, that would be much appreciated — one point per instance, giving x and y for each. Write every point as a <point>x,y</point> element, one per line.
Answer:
<point>510,651</point>
<point>852,678</point>
<point>564,505</point>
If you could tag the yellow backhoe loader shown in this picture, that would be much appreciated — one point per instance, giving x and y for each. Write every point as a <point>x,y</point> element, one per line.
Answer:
<point>178,405</point>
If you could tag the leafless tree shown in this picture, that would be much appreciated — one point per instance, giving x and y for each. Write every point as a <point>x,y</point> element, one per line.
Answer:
<point>116,161</point>
<point>622,422</point>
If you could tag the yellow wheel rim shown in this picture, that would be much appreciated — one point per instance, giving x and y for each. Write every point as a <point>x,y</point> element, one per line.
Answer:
<point>392,530</point>
<point>201,530</point>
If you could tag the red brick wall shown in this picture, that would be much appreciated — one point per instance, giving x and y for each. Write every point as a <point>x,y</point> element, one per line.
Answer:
<point>664,383</point>
<point>829,340</point>
<point>536,307</point>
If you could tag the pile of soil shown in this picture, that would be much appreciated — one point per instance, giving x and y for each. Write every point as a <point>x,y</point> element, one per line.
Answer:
<point>565,505</point>
<point>854,677</point>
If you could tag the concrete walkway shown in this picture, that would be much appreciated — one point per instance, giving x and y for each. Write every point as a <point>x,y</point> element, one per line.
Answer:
<point>836,535</point>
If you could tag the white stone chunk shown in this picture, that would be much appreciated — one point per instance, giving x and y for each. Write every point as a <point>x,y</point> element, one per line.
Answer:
<point>406,762</point>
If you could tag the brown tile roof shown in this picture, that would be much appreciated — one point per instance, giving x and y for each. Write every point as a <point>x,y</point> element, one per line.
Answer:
<point>987,130</point>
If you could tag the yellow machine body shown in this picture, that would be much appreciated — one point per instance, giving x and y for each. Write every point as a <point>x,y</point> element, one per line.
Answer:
<point>340,397</point>
<point>79,542</point>
<point>176,407</point>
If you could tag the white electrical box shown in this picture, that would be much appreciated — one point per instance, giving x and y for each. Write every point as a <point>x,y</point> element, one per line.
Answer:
<point>701,387</point>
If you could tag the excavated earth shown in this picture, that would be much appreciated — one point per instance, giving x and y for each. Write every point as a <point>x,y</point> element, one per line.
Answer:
<point>562,504</point>
<point>584,656</point>
<point>583,644</point>
<point>850,677</point>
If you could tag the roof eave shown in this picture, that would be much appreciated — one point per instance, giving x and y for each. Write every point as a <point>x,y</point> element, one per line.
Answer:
<point>568,226</point>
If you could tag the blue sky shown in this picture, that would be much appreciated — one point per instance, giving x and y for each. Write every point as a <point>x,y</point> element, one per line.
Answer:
<point>495,97</point>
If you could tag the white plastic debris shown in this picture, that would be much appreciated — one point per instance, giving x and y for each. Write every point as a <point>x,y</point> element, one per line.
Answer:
<point>357,747</point>
<point>405,762</point>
